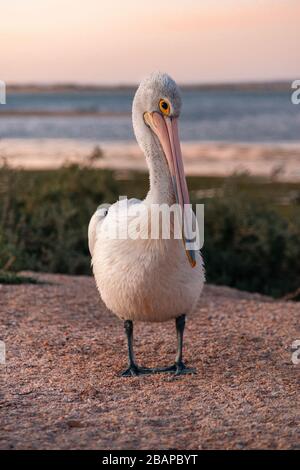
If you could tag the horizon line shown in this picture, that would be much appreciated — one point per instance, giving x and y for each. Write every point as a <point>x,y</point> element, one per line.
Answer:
<point>131,85</point>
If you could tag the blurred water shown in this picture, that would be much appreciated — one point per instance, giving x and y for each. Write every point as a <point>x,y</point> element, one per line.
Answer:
<point>214,115</point>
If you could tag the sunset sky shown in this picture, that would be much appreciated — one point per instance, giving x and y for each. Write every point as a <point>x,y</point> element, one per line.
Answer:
<point>119,41</point>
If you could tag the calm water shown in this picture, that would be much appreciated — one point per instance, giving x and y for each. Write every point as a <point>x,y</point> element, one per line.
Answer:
<point>218,115</point>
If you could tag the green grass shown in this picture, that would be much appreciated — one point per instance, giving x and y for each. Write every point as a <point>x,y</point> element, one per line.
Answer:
<point>252,226</point>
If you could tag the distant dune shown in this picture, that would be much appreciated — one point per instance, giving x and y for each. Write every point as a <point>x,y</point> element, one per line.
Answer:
<point>73,87</point>
<point>60,113</point>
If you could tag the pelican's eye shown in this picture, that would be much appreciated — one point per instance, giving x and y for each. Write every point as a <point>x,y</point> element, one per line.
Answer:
<point>164,106</point>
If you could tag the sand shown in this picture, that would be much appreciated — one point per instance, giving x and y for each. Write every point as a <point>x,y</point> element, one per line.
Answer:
<point>61,389</point>
<point>277,161</point>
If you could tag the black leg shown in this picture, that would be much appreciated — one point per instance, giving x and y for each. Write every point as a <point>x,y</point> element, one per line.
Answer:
<point>180,325</point>
<point>179,367</point>
<point>133,369</point>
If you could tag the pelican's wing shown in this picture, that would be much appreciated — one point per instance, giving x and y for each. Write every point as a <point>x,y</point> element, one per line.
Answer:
<point>96,219</point>
<point>101,214</point>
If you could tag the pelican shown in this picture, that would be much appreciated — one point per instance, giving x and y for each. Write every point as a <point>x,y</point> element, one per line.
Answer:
<point>142,278</point>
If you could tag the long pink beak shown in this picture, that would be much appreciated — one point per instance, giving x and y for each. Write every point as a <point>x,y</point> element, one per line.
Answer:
<point>166,129</point>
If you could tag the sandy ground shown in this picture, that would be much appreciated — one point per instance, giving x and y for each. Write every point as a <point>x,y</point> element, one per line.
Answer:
<point>60,386</point>
<point>280,161</point>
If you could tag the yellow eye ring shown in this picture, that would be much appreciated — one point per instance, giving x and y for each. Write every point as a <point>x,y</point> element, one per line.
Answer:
<point>164,106</point>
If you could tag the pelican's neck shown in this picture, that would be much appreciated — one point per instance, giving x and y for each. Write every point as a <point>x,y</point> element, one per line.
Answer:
<point>161,188</point>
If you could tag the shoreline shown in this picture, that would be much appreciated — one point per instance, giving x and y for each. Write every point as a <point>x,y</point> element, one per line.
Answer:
<point>280,161</point>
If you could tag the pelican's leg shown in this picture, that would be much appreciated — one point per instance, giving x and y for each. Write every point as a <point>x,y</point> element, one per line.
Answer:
<point>133,369</point>
<point>179,367</point>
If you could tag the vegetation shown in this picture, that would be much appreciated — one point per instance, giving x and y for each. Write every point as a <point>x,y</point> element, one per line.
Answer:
<point>252,227</point>
<point>7,277</point>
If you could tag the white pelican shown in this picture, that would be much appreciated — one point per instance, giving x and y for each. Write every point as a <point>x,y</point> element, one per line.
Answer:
<point>146,279</point>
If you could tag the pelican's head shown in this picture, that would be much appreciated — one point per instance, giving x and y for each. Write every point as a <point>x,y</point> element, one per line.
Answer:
<point>157,95</point>
<point>156,109</point>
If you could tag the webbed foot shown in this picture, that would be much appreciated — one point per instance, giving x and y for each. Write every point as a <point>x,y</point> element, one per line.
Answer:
<point>134,371</point>
<point>176,369</point>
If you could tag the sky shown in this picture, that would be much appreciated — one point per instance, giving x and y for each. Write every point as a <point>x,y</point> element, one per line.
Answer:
<point>121,41</point>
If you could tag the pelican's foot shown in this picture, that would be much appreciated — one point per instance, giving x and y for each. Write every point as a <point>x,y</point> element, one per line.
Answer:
<point>134,371</point>
<point>179,368</point>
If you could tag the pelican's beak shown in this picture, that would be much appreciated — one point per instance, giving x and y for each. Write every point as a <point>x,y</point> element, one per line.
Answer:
<point>166,129</point>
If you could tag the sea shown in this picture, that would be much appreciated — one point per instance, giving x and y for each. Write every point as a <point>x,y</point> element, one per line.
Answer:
<point>223,130</point>
<point>105,115</point>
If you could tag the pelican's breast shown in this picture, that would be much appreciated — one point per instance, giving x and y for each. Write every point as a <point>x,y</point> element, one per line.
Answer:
<point>144,279</point>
